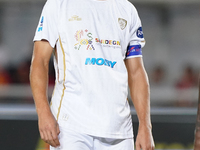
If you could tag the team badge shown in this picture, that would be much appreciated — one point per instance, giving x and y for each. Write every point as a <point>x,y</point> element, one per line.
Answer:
<point>122,23</point>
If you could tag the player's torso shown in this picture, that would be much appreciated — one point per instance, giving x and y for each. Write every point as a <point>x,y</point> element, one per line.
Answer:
<point>93,40</point>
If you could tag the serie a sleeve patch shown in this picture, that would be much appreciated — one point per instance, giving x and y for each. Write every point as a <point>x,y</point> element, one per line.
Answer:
<point>134,50</point>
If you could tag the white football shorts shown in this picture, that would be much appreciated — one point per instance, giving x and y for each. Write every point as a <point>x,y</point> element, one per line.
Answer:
<point>71,140</point>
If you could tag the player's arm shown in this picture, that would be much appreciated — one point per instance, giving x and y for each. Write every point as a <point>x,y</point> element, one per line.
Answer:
<point>48,126</point>
<point>140,95</point>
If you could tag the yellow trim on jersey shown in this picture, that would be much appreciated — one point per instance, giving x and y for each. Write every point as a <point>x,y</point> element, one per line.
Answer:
<point>61,101</point>
<point>63,79</point>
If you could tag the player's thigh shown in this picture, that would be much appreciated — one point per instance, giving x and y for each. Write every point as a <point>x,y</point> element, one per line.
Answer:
<point>71,140</point>
<point>113,144</point>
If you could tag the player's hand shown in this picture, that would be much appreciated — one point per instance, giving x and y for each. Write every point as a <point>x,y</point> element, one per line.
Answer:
<point>144,139</point>
<point>49,129</point>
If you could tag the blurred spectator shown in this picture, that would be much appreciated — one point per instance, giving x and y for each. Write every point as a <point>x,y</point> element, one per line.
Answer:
<point>4,76</point>
<point>185,85</point>
<point>188,79</point>
<point>157,78</point>
<point>22,73</point>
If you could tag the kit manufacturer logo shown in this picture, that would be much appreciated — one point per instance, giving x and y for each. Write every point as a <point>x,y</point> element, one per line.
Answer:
<point>75,18</point>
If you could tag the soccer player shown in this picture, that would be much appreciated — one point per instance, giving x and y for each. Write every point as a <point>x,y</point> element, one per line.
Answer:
<point>97,48</point>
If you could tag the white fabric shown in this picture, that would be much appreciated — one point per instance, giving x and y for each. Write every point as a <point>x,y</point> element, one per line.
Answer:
<point>71,140</point>
<point>91,78</point>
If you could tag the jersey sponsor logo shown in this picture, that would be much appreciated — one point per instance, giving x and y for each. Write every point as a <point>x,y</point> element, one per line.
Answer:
<point>134,50</point>
<point>122,23</point>
<point>140,32</point>
<point>41,24</point>
<point>113,43</point>
<point>100,62</point>
<point>84,37</point>
<point>75,18</point>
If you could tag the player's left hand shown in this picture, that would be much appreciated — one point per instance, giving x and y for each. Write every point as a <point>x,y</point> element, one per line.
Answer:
<point>144,139</point>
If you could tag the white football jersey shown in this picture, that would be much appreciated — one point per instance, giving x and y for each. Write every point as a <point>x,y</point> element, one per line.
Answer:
<point>92,39</point>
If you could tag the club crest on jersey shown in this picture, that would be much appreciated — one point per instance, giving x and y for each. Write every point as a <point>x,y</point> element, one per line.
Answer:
<point>140,32</point>
<point>122,23</point>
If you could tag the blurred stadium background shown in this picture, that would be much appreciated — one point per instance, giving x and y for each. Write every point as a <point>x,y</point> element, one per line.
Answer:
<point>171,57</point>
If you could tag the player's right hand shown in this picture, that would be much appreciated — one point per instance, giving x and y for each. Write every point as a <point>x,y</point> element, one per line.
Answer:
<point>49,129</point>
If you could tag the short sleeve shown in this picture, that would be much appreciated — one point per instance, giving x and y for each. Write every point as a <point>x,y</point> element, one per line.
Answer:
<point>47,28</point>
<point>137,41</point>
